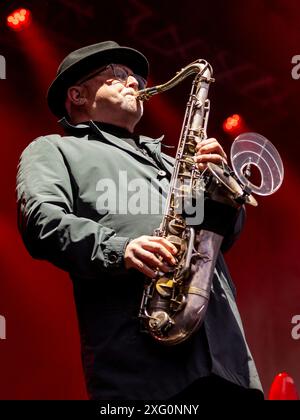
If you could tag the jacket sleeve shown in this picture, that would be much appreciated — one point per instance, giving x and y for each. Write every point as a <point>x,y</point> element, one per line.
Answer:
<point>47,223</point>
<point>234,230</point>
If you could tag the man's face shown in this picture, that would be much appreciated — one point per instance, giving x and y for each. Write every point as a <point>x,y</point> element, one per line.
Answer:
<point>110,94</point>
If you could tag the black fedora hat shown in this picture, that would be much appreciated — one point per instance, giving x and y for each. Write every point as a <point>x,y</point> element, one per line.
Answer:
<point>81,62</point>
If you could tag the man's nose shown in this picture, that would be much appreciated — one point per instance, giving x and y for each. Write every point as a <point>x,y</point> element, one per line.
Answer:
<point>132,82</point>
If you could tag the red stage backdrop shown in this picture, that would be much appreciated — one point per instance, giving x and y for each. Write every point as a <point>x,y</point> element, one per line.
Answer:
<point>251,48</point>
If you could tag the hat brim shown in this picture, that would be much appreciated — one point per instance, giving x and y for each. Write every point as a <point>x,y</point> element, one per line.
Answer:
<point>57,91</point>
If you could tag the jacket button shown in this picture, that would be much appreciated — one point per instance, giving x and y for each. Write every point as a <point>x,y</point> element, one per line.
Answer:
<point>112,257</point>
<point>161,173</point>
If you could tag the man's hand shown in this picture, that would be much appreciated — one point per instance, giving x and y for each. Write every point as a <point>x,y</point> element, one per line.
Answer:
<point>143,254</point>
<point>209,150</point>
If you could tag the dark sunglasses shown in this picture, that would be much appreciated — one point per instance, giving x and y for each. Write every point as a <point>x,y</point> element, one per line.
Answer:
<point>119,73</point>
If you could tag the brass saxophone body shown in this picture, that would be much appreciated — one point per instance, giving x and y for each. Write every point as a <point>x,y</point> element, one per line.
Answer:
<point>174,304</point>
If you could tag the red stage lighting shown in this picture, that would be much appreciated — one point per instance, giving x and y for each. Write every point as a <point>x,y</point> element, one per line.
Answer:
<point>232,124</point>
<point>283,388</point>
<point>19,19</point>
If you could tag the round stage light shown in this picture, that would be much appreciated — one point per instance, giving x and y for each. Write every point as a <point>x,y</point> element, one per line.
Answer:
<point>232,123</point>
<point>19,19</point>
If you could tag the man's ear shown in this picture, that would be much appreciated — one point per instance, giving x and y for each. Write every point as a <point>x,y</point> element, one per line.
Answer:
<point>76,94</point>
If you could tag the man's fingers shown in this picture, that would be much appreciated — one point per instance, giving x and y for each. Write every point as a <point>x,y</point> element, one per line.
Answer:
<point>160,250</point>
<point>210,146</point>
<point>205,142</point>
<point>143,268</point>
<point>202,166</point>
<point>213,148</point>
<point>151,260</point>
<point>172,248</point>
<point>210,157</point>
<point>149,254</point>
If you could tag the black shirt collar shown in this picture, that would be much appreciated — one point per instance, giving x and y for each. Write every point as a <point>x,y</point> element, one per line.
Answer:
<point>108,128</point>
<point>115,130</point>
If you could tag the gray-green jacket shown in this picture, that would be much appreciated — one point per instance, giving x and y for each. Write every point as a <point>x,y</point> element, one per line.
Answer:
<point>65,218</point>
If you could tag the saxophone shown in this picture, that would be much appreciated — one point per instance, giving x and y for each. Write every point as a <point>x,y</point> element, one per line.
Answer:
<point>174,304</point>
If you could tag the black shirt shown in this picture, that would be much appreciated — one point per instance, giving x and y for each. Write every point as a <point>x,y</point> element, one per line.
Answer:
<point>132,139</point>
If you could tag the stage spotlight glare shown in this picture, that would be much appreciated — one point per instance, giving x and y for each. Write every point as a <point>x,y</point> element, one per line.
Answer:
<point>19,19</point>
<point>232,123</point>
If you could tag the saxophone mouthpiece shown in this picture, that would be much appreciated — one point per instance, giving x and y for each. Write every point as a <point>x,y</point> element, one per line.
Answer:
<point>145,94</point>
<point>140,94</point>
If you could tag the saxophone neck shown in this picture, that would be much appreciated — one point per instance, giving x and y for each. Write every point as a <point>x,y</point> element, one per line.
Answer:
<point>201,67</point>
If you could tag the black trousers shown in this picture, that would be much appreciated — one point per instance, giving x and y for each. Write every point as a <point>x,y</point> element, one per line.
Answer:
<point>214,388</point>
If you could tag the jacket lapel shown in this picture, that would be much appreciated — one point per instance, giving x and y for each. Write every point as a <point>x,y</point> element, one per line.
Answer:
<point>153,146</point>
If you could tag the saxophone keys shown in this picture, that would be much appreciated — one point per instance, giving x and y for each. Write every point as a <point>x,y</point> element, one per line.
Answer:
<point>164,287</point>
<point>179,302</point>
<point>160,321</point>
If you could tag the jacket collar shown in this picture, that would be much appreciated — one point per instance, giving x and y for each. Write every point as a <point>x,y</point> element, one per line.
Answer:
<point>91,127</point>
<point>152,145</point>
<point>77,130</point>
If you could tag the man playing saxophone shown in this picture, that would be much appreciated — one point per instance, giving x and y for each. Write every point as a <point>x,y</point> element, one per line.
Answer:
<point>76,211</point>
